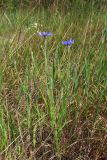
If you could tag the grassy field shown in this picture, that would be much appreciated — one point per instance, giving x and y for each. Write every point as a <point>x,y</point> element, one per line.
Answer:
<point>53,99</point>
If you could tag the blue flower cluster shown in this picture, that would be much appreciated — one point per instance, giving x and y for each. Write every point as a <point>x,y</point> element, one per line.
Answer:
<point>65,42</point>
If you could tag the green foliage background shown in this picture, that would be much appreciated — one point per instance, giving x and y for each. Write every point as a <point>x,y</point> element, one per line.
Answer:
<point>48,3</point>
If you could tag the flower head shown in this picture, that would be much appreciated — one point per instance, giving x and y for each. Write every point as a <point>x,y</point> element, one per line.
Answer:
<point>44,34</point>
<point>68,42</point>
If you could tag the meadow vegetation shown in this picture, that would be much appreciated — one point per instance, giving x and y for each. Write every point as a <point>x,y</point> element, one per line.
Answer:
<point>53,99</point>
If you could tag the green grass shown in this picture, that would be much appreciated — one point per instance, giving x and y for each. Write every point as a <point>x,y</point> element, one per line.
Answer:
<point>53,101</point>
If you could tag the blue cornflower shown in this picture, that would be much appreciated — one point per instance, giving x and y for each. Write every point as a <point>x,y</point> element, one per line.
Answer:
<point>68,42</point>
<point>44,34</point>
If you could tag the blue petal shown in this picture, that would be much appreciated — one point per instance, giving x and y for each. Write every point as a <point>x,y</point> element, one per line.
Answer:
<point>65,42</point>
<point>44,34</point>
<point>40,34</point>
<point>71,41</point>
<point>49,33</point>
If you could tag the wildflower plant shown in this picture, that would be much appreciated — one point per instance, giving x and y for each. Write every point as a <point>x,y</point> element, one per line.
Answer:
<point>57,121</point>
<point>45,35</point>
<point>50,87</point>
<point>68,43</point>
